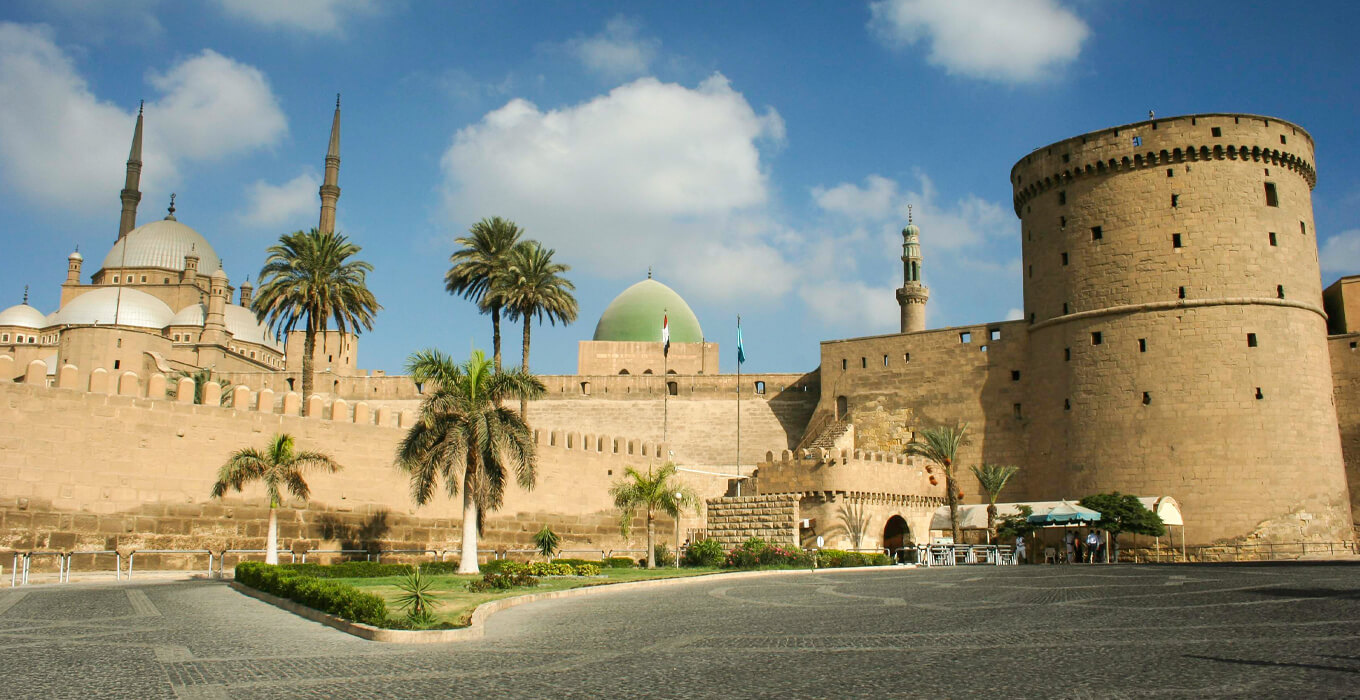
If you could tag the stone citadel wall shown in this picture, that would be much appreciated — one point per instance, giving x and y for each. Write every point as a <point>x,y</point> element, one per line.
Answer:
<point>891,385</point>
<point>1345,353</point>
<point>98,470</point>
<point>1177,341</point>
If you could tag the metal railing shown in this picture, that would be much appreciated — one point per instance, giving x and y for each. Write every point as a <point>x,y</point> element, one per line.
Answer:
<point>1256,551</point>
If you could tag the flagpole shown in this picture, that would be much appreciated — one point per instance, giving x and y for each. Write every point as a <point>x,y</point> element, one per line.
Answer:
<point>665,377</point>
<point>738,404</point>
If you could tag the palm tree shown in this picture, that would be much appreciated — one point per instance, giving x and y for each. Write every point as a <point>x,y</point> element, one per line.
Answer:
<point>479,269</point>
<point>534,288</point>
<point>466,438</point>
<point>309,279</point>
<point>278,466</point>
<point>855,522</point>
<point>651,492</point>
<point>993,478</point>
<point>941,445</point>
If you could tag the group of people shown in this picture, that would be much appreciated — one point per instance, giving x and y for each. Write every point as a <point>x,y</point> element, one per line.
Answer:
<point>1089,549</point>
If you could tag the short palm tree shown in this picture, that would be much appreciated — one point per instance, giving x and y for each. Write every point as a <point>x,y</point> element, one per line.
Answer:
<point>855,522</point>
<point>309,278</point>
<point>278,467</point>
<point>464,437</point>
<point>993,478</point>
<point>534,288</point>
<point>479,270</point>
<point>941,446</point>
<point>652,492</point>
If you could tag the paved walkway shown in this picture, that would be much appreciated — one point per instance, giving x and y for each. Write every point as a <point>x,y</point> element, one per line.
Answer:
<point>1076,631</point>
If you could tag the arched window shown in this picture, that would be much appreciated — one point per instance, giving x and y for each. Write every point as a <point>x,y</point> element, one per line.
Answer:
<point>842,407</point>
<point>623,371</point>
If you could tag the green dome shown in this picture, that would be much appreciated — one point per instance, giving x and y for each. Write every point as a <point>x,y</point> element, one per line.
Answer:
<point>635,315</point>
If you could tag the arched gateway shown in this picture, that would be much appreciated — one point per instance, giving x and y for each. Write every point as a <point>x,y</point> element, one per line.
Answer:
<point>896,534</point>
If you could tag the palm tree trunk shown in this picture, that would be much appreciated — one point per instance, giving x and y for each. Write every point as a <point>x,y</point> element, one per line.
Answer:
<point>991,522</point>
<point>524,364</point>
<point>271,542</point>
<point>651,535</point>
<point>953,497</point>
<point>308,349</point>
<point>496,335</point>
<point>468,564</point>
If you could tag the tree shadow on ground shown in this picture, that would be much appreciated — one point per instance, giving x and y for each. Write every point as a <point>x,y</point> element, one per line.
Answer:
<point>1273,664</point>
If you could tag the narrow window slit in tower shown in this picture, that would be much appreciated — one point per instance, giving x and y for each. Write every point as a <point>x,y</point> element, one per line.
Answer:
<point>845,364</point>
<point>1016,409</point>
<point>1062,197</point>
<point>1171,172</point>
<point>1282,141</point>
<point>885,360</point>
<point>1096,233</point>
<point>1031,318</point>
<point>1279,291</point>
<point>864,363</point>
<point>1181,292</point>
<point>906,357</point>
<point>1303,228</point>
<point>1064,308</point>
<point>1062,222</point>
<point>1175,240</point>
<point>1064,258</point>
<point>1272,239</point>
<point>1147,398</point>
<point>1175,200</point>
<point>1259,395</point>
<point>1272,197</point>
<point>1015,373</point>
<point>1097,338</point>
<point>1031,267</point>
<point>1216,131</point>
<point>1067,354</point>
<point>1067,404</point>
<point>1142,345</point>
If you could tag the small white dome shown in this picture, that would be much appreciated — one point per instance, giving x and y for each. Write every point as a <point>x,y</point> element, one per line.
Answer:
<point>243,326</point>
<point>102,306</point>
<point>191,315</point>
<point>23,316</point>
<point>75,255</point>
<point>162,244</point>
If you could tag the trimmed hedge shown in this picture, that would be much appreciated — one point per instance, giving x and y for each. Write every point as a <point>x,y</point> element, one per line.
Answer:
<point>839,558</point>
<point>350,569</point>
<point>332,597</point>
<point>617,563</point>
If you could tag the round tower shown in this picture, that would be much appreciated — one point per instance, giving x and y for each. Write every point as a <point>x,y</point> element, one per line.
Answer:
<point>1177,335</point>
<point>912,296</point>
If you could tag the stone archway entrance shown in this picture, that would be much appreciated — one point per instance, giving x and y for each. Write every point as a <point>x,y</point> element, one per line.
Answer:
<point>896,533</point>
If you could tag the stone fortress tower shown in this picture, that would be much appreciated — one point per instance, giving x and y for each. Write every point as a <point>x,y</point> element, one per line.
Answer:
<point>912,295</point>
<point>1177,341</point>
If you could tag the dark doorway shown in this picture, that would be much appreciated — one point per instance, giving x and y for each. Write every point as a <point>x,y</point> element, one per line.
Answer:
<point>896,534</point>
<point>842,407</point>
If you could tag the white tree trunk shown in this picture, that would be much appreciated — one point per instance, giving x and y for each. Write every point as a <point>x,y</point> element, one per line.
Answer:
<point>468,564</point>
<point>271,542</point>
<point>651,538</point>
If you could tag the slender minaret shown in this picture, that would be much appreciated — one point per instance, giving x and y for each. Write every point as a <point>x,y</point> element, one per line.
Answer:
<point>913,295</point>
<point>131,195</point>
<point>330,189</point>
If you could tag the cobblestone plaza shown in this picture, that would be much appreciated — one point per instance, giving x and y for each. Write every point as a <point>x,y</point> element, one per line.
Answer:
<point>1060,631</point>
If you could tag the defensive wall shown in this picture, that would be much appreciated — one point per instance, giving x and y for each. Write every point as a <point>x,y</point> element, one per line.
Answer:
<point>1345,352</point>
<point>1177,342</point>
<point>105,466</point>
<point>879,485</point>
<point>889,386</point>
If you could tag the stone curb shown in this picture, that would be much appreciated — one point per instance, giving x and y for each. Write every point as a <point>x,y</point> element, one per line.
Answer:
<point>476,628</point>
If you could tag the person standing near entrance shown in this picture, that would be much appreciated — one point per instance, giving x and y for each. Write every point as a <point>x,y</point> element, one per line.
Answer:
<point>1092,544</point>
<point>1019,549</point>
<point>1070,540</point>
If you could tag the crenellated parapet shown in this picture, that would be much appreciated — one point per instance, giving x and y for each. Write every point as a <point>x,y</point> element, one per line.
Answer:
<point>871,477</point>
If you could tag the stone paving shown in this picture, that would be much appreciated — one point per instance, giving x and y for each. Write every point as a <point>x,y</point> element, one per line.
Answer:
<point>1056,631</point>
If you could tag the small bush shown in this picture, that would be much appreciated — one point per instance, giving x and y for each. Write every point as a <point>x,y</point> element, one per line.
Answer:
<point>579,562</point>
<point>757,552</point>
<point>617,563</point>
<point>705,552</point>
<point>493,581</point>
<point>587,570</point>
<point>839,558</point>
<point>436,568</point>
<point>664,557</point>
<point>333,597</point>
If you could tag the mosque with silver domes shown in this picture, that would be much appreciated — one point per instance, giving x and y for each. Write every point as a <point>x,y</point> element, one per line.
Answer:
<point>160,301</point>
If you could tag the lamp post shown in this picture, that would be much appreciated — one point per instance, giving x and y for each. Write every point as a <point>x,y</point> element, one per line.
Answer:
<point>679,505</point>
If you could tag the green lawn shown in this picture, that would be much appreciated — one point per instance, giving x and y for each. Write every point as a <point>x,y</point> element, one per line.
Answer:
<point>457,603</point>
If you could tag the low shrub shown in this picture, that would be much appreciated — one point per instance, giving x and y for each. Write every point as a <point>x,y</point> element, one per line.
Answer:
<point>705,552</point>
<point>617,563</point>
<point>756,552</point>
<point>587,569</point>
<point>579,562</point>
<point>436,568</point>
<point>543,568</point>
<point>839,558</point>
<point>333,597</point>
<point>492,581</point>
<point>664,557</point>
<point>350,569</point>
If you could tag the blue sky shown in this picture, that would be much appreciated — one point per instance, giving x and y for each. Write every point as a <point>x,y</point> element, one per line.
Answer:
<point>759,156</point>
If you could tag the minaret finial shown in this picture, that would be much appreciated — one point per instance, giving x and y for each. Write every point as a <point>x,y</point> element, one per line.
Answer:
<point>141,104</point>
<point>25,295</point>
<point>337,100</point>
<point>171,216</point>
<point>649,272</point>
<point>908,213</point>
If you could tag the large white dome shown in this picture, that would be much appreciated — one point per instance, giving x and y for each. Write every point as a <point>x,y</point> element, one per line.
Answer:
<point>102,306</point>
<point>23,316</point>
<point>163,244</point>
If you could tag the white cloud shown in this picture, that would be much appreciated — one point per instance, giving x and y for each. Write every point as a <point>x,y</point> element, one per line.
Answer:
<point>289,203</point>
<point>868,309</point>
<point>321,17</point>
<point>617,52</point>
<point>214,106</point>
<point>969,221</point>
<point>132,21</point>
<point>651,173</point>
<point>1340,253</point>
<point>1014,314</point>
<point>64,146</point>
<point>1012,41</point>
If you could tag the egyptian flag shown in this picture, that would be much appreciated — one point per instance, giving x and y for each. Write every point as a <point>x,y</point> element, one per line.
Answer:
<point>665,335</point>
